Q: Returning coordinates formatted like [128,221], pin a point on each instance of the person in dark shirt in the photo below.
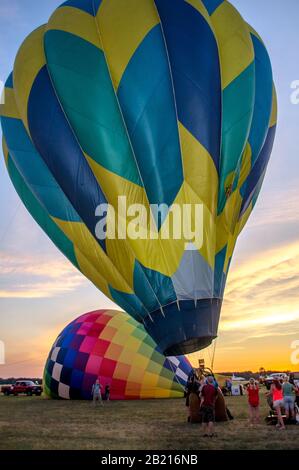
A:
[192,398]
[208,398]
[107,393]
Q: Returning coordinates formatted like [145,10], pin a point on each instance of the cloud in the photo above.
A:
[35,277]
[271,334]
[278,207]
[263,320]
[230,348]
[262,296]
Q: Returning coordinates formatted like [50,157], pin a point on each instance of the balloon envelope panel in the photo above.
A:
[162,102]
[113,347]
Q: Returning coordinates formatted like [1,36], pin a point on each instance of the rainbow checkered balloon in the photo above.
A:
[112,346]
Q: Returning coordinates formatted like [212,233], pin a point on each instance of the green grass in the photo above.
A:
[38,423]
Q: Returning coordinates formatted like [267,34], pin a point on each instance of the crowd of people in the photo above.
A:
[203,392]
[201,395]
[284,398]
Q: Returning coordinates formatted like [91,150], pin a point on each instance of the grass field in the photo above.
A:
[38,423]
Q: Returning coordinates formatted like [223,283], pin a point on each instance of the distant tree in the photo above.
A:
[12,380]
[262,371]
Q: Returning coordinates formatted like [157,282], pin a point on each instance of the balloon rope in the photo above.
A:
[214,352]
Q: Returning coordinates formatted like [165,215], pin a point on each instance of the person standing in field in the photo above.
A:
[192,400]
[253,402]
[297,394]
[289,397]
[228,384]
[97,393]
[201,381]
[107,392]
[277,396]
[296,385]
[208,398]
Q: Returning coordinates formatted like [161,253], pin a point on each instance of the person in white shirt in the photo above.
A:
[97,393]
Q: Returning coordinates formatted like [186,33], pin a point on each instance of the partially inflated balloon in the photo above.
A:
[112,347]
[162,102]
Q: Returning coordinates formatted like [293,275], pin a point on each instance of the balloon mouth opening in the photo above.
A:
[190,346]
[184,327]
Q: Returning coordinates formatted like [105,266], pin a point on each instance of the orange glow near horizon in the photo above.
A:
[259,320]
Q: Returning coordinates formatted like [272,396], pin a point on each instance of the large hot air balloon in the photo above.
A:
[164,103]
[112,346]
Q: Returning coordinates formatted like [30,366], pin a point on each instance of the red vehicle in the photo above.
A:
[26,387]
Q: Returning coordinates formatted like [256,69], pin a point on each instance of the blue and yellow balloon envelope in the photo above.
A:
[161,102]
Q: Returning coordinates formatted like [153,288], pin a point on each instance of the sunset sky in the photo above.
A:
[40,292]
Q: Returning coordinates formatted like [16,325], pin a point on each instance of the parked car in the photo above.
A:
[295,378]
[268,381]
[26,387]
